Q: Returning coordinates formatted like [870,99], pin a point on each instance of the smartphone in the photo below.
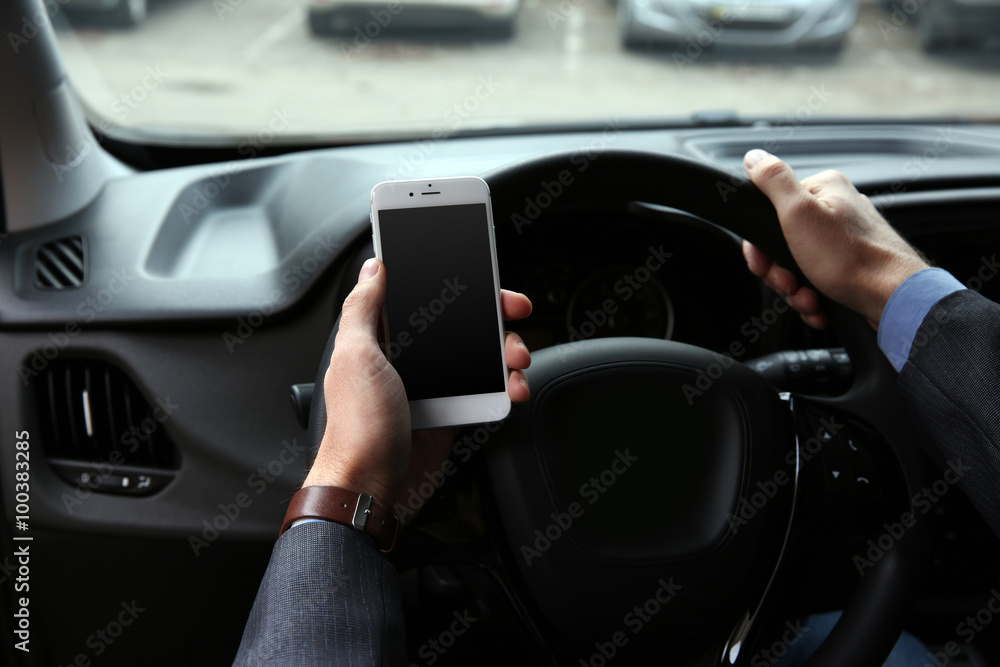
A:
[442,321]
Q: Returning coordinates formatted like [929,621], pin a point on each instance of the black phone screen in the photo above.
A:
[441,312]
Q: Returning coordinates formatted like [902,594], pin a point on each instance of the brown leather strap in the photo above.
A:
[357,510]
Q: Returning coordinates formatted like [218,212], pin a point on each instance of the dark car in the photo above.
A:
[364,19]
[119,13]
[943,24]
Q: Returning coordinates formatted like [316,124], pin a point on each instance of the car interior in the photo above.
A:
[697,470]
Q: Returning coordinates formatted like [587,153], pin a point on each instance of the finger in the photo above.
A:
[517,387]
[516,352]
[757,261]
[815,320]
[830,181]
[781,280]
[514,305]
[775,179]
[805,301]
[363,306]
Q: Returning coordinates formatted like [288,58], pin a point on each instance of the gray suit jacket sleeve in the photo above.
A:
[328,597]
[951,386]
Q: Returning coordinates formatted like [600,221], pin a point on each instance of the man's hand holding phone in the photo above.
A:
[368,445]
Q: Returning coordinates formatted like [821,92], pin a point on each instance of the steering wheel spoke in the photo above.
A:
[847,469]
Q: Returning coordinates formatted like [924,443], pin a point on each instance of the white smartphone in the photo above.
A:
[443,324]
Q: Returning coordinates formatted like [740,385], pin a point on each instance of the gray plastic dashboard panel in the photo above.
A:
[216,241]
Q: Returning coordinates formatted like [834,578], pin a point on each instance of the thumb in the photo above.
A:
[776,180]
[363,306]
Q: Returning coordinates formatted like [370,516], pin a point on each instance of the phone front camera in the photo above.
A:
[411,194]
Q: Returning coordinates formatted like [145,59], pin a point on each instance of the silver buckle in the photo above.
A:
[362,511]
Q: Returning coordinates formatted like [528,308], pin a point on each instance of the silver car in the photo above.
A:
[699,24]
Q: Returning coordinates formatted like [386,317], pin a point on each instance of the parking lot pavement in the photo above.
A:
[242,66]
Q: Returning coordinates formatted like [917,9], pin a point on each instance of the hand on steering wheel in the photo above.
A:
[842,243]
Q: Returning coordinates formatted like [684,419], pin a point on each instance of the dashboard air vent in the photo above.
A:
[61,264]
[100,431]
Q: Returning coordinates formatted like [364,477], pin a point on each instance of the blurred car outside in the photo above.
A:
[802,24]
[114,13]
[944,24]
[367,19]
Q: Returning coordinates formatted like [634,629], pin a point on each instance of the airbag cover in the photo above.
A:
[621,477]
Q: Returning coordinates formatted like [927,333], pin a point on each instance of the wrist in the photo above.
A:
[357,474]
[885,281]
[358,484]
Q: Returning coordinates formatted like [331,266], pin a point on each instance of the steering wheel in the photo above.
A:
[648,491]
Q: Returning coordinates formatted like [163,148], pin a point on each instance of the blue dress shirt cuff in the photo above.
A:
[907,308]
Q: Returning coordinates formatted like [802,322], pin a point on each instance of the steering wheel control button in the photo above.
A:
[863,470]
[837,470]
[848,468]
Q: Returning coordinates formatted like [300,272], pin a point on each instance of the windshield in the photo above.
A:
[268,70]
